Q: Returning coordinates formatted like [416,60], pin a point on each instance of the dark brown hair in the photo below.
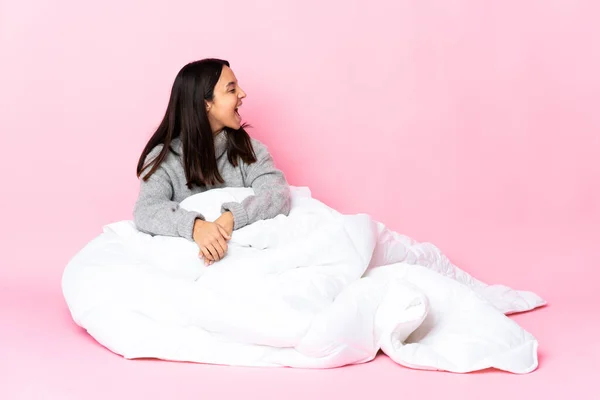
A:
[187,119]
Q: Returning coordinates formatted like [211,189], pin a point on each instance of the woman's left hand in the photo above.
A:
[226,222]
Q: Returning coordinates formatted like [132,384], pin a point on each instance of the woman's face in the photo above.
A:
[223,109]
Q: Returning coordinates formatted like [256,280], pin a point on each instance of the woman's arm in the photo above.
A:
[155,213]
[272,194]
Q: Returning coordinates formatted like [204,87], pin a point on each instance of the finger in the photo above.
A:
[217,245]
[223,232]
[207,256]
[213,251]
[221,247]
[207,260]
[206,253]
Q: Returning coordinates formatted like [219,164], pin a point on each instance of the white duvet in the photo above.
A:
[315,289]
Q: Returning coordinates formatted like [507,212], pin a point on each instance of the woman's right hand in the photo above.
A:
[212,239]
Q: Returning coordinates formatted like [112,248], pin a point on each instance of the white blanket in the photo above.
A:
[315,289]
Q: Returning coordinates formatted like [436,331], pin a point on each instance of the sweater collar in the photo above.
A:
[220,143]
[220,140]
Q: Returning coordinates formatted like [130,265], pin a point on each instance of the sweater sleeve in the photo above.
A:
[156,213]
[272,194]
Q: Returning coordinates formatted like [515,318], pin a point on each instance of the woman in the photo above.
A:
[200,145]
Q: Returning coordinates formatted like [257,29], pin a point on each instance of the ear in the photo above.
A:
[207,104]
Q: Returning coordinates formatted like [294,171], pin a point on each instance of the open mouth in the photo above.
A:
[237,112]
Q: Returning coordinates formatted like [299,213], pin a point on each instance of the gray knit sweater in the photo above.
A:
[157,209]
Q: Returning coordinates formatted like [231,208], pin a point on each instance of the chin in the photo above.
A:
[234,125]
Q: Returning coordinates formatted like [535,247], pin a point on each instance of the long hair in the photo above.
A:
[186,118]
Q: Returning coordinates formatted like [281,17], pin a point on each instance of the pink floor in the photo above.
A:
[50,358]
[45,356]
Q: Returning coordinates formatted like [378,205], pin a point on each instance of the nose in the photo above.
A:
[242,94]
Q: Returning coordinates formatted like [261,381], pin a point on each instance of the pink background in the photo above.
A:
[473,125]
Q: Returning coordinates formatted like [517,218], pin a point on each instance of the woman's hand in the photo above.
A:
[211,238]
[226,221]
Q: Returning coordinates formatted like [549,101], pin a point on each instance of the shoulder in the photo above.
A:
[154,153]
[175,145]
[171,161]
[260,149]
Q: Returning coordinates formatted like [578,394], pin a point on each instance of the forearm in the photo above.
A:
[268,202]
[164,218]
[156,213]
[272,195]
